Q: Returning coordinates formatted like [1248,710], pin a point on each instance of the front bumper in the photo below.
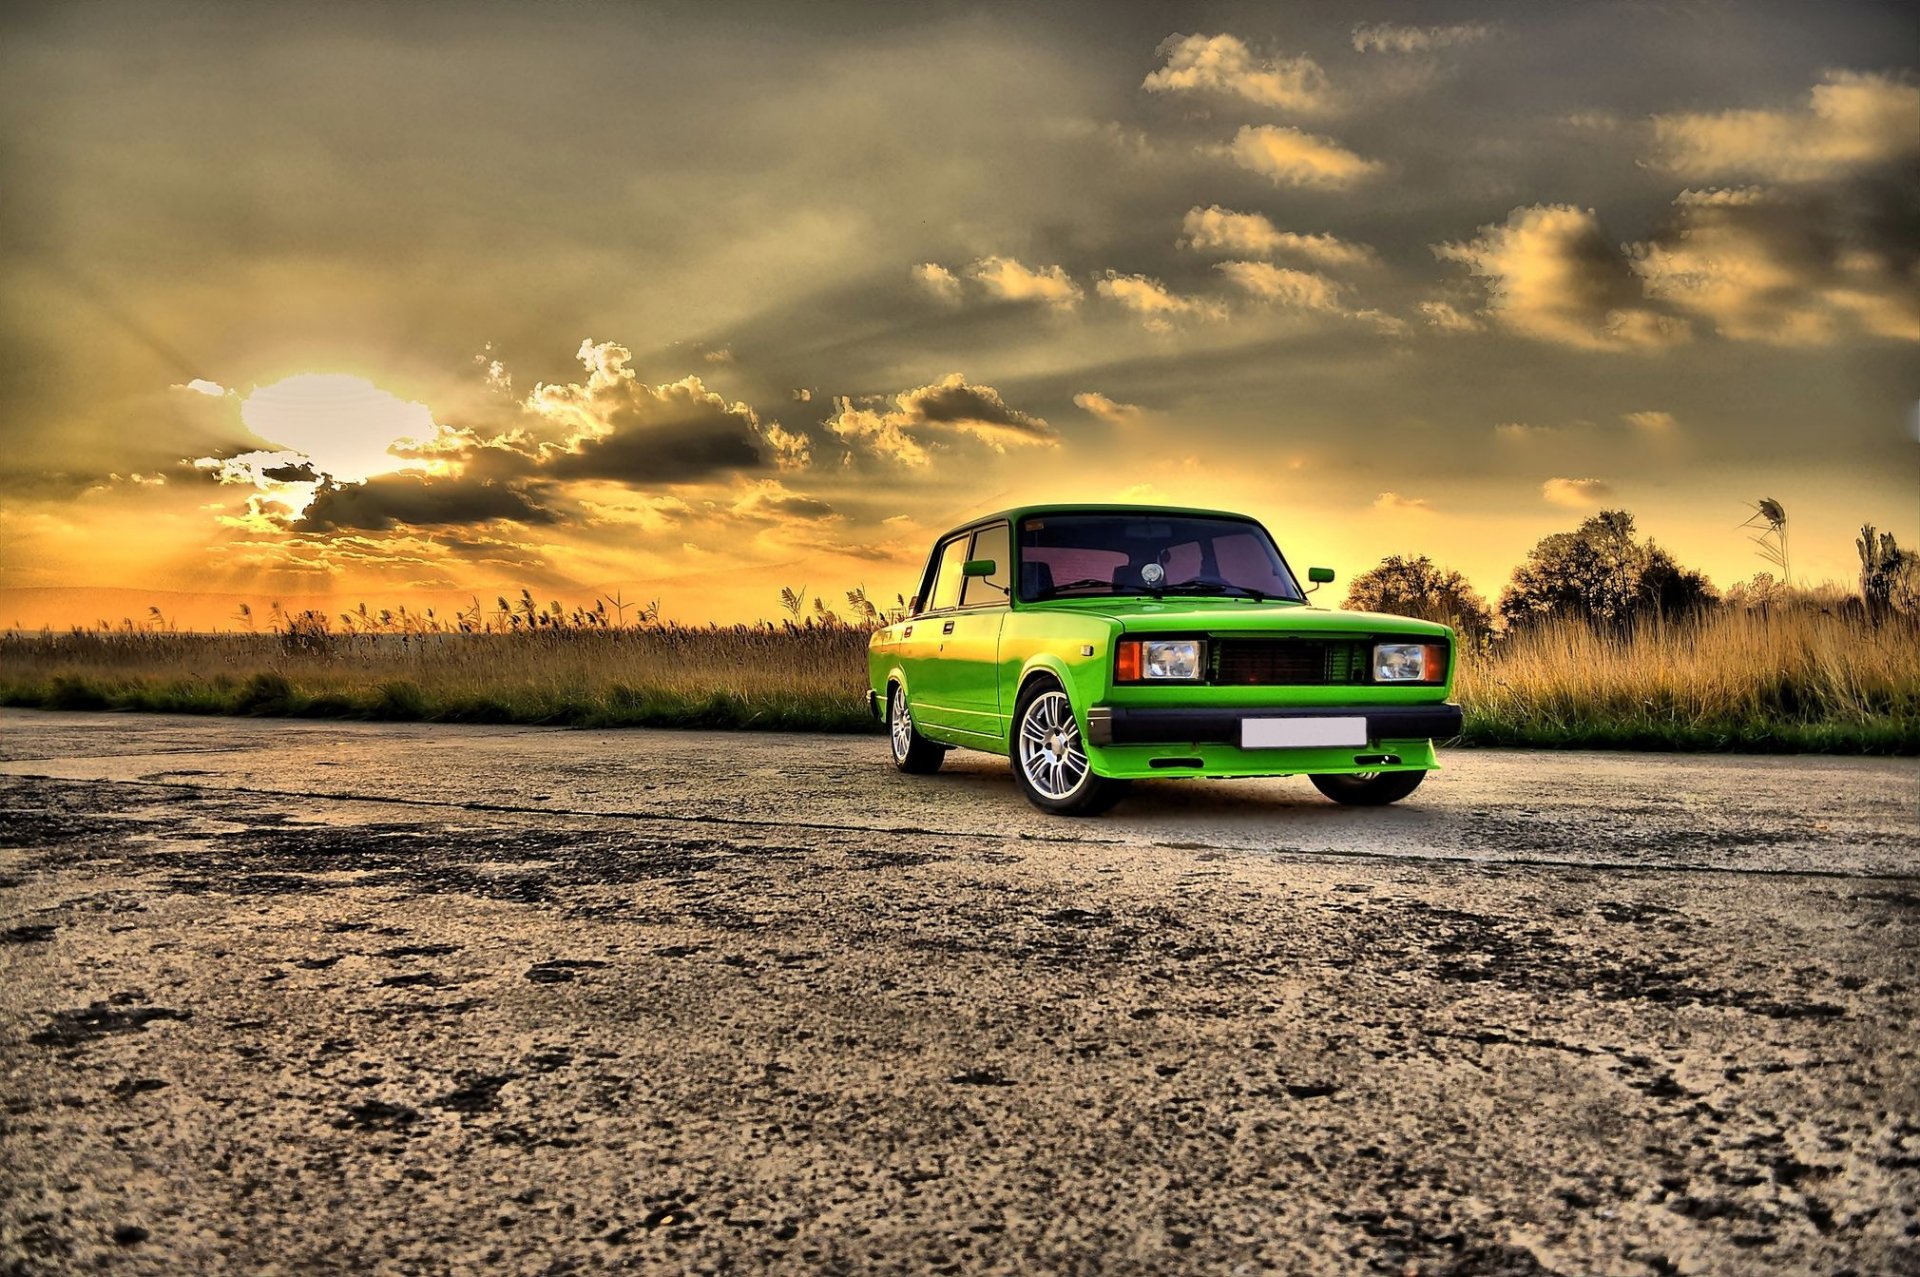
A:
[1138,725]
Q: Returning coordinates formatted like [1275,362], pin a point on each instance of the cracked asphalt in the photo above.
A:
[282,997]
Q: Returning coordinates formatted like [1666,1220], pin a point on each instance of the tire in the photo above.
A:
[1368,789]
[911,751]
[1049,759]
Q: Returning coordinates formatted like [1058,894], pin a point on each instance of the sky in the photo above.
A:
[691,302]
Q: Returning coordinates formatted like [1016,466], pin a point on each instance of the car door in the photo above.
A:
[971,647]
[922,658]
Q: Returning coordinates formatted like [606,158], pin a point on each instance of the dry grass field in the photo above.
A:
[1733,679]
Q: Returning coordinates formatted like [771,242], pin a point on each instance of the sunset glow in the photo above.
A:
[559,325]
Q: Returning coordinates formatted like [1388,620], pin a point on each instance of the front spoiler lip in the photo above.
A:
[1136,725]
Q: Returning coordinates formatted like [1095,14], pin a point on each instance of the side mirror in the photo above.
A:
[913,606]
[979,567]
[1320,576]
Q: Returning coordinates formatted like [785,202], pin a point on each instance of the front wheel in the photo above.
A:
[1050,759]
[912,752]
[1368,789]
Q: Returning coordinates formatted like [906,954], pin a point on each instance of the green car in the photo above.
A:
[1096,644]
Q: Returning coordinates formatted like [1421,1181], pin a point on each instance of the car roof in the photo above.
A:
[1016,513]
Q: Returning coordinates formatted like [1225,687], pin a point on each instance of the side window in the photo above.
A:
[946,577]
[990,543]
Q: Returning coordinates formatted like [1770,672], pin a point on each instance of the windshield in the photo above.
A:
[1087,555]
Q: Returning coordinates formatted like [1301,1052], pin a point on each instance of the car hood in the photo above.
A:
[1221,615]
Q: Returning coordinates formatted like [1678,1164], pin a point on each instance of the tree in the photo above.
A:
[1761,592]
[1602,573]
[1419,587]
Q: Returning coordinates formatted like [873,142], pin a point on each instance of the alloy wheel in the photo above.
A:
[900,725]
[1052,757]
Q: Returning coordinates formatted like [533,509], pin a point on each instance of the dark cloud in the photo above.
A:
[294,472]
[416,499]
[620,428]
[953,402]
[685,451]
[951,405]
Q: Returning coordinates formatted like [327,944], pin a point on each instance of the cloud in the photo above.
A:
[938,281]
[1224,64]
[1302,290]
[791,449]
[290,472]
[1851,121]
[1216,229]
[1798,267]
[493,372]
[1576,493]
[1296,289]
[1288,157]
[619,428]
[1658,422]
[1448,318]
[1111,411]
[1001,279]
[416,499]
[1393,502]
[908,432]
[201,386]
[1552,275]
[1009,280]
[1382,37]
[694,435]
[1149,299]
[770,501]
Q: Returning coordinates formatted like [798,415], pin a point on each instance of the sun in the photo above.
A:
[344,425]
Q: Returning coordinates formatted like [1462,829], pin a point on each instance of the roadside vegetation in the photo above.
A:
[1599,641]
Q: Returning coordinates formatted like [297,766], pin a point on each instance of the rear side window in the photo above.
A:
[990,543]
[947,577]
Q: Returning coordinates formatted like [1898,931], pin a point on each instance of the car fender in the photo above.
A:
[894,674]
[1050,663]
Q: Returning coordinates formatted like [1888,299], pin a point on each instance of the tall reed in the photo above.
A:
[1800,678]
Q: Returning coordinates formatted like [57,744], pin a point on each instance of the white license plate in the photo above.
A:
[1301,733]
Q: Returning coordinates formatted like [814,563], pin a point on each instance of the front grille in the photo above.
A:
[1287,662]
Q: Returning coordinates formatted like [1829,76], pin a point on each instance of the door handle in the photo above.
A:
[908,633]
[947,628]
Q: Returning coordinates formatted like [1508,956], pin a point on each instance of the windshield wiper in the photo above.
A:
[1081,584]
[1205,585]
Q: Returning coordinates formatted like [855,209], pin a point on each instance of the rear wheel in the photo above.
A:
[912,752]
[1050,759]
[1368,789]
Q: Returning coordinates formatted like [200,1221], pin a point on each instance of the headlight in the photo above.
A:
[1409,663]
[1176,659]
[1159,660]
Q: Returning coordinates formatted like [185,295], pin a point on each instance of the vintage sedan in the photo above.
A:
[1097,644]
